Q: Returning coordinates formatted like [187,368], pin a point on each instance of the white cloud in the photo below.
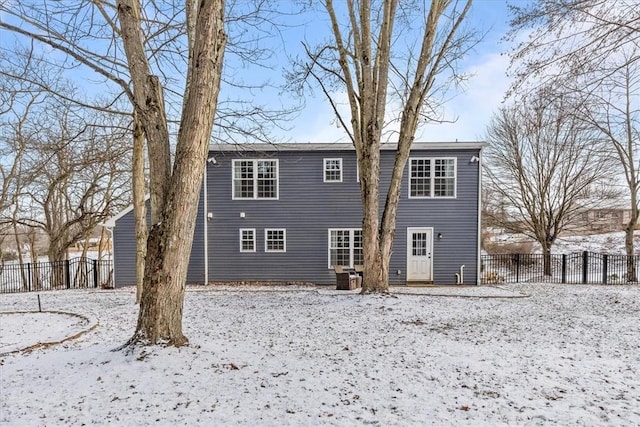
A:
[472,108]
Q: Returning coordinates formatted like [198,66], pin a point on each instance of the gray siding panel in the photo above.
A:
[124,250]
[124,254]
[307,207]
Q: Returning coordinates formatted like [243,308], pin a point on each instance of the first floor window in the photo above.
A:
[432,177]
[345,247]
[247,240]
[275,240]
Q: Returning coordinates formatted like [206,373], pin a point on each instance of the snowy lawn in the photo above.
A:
[567,355]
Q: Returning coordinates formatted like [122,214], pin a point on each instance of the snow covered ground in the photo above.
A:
[605,243]
[566,355]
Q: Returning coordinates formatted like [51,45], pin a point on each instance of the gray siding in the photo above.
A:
[124,253]
[124,250]
[307,208]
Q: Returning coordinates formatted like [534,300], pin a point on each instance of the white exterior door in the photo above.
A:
[419,251]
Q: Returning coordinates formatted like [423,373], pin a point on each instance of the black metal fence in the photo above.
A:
[70,274]
[582,267]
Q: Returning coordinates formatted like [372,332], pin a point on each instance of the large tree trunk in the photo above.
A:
[139,206]
[374,278]
[149,104]
[170,238]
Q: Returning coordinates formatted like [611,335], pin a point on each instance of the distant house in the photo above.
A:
[604,218]
[92,244]
[289,212]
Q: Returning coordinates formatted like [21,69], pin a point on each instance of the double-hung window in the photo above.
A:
[432,178]
[345,247]
[255,179]
[332,170]
[247,240]
[275,240]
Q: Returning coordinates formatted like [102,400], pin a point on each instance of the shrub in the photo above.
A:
[491,277]
[495,248]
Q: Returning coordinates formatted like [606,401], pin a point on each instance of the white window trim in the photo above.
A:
[432,178]
[255,179]
[351,244]
[253,230]
[284,238]
[324,169]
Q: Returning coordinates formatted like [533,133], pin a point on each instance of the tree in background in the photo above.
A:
[376,62]
[539,161]
[73,176]
[590,48]
[79,169]
[613,109]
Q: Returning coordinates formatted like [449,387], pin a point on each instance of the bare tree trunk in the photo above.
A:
[148,103]
[139,205]
[104,241]
[364,59]
[23,273]
[374,280]
[546,252]
[57,261]
[36,283]
[632,275]
[171,236]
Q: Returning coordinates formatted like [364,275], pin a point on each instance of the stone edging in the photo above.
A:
[32,347]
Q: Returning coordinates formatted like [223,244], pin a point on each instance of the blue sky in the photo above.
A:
[472,109]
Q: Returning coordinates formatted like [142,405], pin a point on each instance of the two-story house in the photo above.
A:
[290,212]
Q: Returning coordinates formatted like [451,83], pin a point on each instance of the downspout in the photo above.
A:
[206,218]
[112,258]
[206,226]
[479,236]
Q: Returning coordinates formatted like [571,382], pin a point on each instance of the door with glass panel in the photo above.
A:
[419,254]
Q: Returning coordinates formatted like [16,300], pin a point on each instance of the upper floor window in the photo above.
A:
[432,177]
[255,179]
[332,170]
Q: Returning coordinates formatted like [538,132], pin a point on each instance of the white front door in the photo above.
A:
[419,250]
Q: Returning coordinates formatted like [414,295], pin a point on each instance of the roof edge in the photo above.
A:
[341,146]
[111,221]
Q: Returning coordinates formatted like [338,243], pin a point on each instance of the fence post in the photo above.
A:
[564,268]
[585,267]
[67,271]
[29,275]
[605,266]
[517,268]
[95,273]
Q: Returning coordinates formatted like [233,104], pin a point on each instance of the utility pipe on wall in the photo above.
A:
[460,276]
